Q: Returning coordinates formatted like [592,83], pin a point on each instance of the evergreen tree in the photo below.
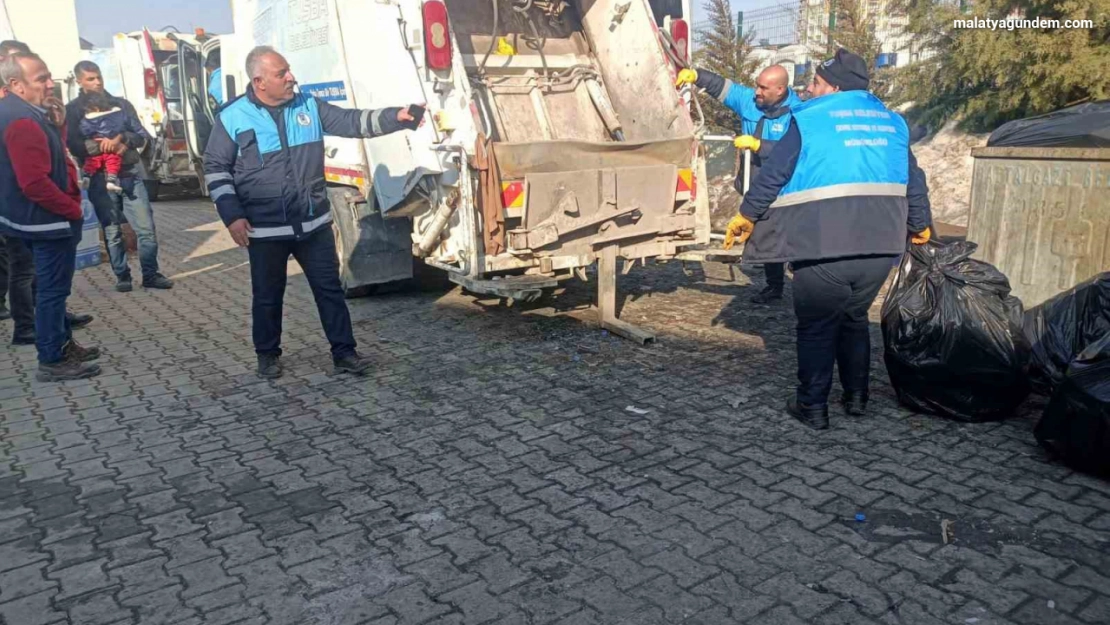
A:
[987,77]
[724,52]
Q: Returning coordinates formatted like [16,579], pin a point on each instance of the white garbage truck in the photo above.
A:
[554,137]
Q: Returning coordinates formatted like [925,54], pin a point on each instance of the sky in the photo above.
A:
[99,20]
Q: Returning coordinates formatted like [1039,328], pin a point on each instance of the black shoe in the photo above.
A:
[767,295]
[77,321]
[352,364]
[854,403]
[123,285]
[816,417]
[5,314]
[66,370]
[24,339]
[269,366]
[158,281]
[74,352]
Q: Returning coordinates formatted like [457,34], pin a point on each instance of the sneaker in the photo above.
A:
[767,295]
[26,338]
[269,366]
[74,352]
[816,417]
[66,370]
[123,285]
[354,363]
[5,314]
[158,281]
[78,320]
[854,403]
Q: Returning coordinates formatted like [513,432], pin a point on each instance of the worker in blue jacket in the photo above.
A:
[764,117]
[837,199]
[264,168]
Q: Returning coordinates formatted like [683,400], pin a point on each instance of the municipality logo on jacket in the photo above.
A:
[303,119]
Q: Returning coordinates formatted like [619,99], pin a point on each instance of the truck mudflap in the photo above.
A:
[372,250]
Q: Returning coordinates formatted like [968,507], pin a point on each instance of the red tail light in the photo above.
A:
[437,35]
[150,82]
[680,34]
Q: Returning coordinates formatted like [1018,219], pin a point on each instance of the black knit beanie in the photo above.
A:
[845,70]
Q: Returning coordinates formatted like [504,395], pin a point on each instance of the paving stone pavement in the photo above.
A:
[506,465]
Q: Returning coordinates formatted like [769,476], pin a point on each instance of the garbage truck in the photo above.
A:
[553,139]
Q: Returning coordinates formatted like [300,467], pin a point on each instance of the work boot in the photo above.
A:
[5,314]
[767,295]
[157,281]
[66,370]
[816,417]
[73,351]
[77,320]
[269,366]
[123,285]
[354,363]
[24,338]
[855,403]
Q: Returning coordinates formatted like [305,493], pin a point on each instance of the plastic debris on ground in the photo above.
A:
[953,336]
[635,410]
[1064,326]
[1075,426]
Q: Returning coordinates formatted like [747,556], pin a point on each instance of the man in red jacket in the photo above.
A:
[40,204]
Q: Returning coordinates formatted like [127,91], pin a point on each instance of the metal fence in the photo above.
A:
[801,28]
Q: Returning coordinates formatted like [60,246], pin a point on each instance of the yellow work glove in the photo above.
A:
[923,237]
[686,77]
[739,229]
[746,142]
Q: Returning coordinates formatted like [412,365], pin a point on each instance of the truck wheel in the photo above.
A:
[153,188]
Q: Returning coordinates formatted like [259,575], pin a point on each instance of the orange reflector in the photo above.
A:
[685,181]
[512,194]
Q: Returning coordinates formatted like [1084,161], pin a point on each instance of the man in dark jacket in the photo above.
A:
[133,203]
[836,198]
[264,167]
[40,205]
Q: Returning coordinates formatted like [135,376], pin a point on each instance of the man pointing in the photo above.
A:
[264,167]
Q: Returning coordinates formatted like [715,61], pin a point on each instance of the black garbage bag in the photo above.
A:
[1064,326]
[952,335]
[1076,424]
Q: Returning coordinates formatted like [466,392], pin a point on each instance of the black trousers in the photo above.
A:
[831,300]
[18,280]
[316,256]
[775,273]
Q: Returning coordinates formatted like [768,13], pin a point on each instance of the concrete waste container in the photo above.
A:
[1042,216]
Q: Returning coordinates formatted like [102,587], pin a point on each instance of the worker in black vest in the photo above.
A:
[40,206]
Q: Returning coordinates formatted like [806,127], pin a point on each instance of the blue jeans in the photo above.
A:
[316,256]
[55,262]
[134,206]
[831,300]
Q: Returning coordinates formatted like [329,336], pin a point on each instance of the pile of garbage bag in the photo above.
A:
[1064,326]
[954,344]
[1076,424]
[957,344]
